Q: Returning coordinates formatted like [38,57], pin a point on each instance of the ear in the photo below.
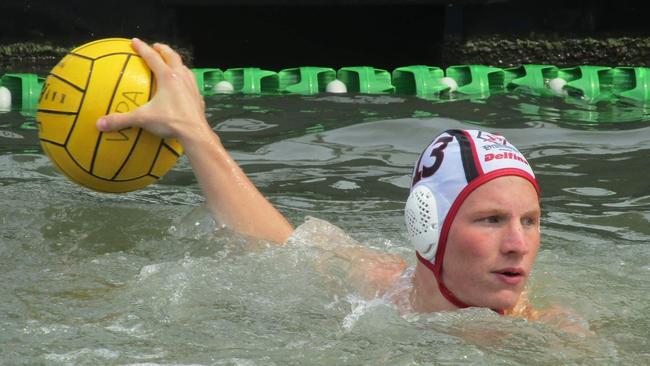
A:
[421,216]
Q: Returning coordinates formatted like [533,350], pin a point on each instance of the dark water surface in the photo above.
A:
[145,278]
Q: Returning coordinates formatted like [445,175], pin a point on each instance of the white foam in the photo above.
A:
[243,125]
[103,353]
[345,185]
[360,307]
[147,271]
[9,134]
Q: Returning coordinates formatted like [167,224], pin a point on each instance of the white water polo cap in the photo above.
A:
[449,169]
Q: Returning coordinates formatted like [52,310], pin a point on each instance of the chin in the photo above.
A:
[504,300]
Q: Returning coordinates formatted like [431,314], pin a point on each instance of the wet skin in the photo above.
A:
[493,242]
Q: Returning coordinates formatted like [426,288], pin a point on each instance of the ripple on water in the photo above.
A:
[589,191]
[147,278]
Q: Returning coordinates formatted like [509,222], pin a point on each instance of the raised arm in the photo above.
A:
[177,110]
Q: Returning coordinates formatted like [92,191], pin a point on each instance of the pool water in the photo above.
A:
[147,278]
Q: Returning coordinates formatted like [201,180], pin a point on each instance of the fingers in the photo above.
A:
[150,56]
[163,60]
[117,121]
[171,57]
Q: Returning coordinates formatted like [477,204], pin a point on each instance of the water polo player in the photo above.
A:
[472,214]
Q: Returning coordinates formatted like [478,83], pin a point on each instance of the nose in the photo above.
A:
[514,239]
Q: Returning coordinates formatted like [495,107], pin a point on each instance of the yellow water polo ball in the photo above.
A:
[93,80]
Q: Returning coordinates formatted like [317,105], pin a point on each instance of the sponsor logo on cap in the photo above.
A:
[504,155]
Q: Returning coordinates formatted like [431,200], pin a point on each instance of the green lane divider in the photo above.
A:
[24,88]
[207,80]
[632,83]
[420,80]
[252,80]
[366,79]
[477,79]
[306,79]
[592,84]
[534,77]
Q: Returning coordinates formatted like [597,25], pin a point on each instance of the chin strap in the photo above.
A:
[444,290]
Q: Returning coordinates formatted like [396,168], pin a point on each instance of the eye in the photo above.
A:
[530,221]
[492,219]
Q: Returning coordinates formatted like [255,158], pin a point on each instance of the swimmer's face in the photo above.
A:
[492,243]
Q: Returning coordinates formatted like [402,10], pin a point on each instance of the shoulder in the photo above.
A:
[369,271]
[554,315]
[320,233]
[376,272]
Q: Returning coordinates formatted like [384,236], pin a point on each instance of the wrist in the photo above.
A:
[195,136]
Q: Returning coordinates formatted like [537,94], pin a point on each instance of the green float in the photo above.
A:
[533,77]
[420,80]
[593,83]
[24,88]
[366,79]
[252,80]
[306,79]
[207,79]
[632,84]
[477,79]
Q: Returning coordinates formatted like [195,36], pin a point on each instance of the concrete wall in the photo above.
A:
[383,33]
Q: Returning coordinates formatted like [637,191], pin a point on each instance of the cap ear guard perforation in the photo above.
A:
[422,225]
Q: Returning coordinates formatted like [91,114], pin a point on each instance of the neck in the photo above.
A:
[426,296]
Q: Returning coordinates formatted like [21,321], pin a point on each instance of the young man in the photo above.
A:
[473,213]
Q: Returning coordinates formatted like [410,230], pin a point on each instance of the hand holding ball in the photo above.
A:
[99,78]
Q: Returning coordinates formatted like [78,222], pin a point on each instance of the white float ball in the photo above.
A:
[5,99]
[336,86]
[557,86]
[451,83]
[223,87]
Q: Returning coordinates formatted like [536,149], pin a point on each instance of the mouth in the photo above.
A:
[510,276]
[511,272]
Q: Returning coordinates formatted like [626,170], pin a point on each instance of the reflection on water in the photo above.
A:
[149,278]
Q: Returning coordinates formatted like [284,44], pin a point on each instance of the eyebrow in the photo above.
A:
[501,212]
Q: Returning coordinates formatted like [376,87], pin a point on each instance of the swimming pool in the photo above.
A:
[148,277]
